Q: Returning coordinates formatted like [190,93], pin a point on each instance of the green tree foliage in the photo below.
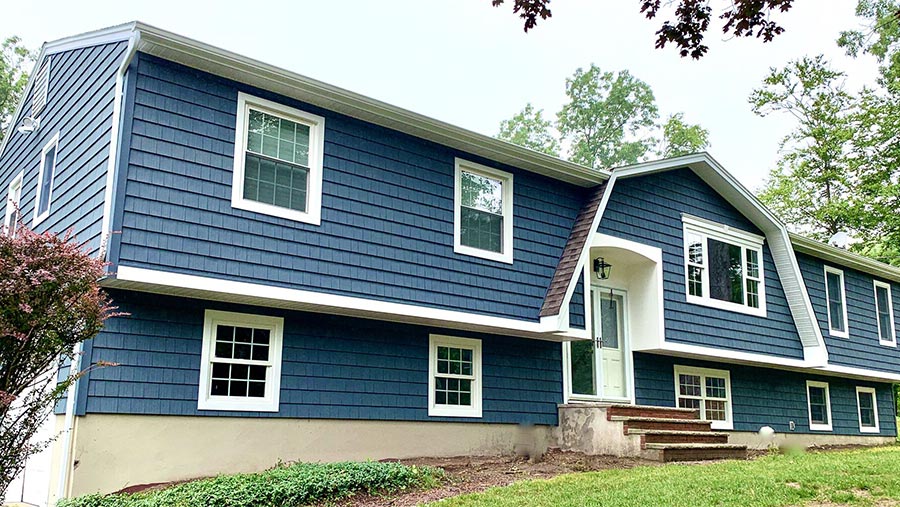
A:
[14,59]
[608,118]
[528,128]
[880,37]
[608,121]
[680,138]
[812,187]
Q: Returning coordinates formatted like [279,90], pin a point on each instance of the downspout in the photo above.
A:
[65,463]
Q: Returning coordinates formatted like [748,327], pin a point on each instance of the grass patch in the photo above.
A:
[859,477]
[287,485]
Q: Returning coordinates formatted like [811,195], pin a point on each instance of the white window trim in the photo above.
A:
[316,124]
[816,426]
[506,179]
[37,219]
[270,402]
[865,429]
[890,341]
[435,410]
[13,202]
[746,240]
[836,332]
[728,423]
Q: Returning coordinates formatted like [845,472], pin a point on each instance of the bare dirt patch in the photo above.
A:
[473,474]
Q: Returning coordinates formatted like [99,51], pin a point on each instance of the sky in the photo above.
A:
[469,64]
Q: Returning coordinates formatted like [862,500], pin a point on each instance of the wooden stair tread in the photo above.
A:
[642,431]
[628,418]
[696,446]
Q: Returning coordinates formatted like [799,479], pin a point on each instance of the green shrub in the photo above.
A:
[287,485]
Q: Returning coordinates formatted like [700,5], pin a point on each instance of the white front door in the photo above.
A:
[610,308]
[599,368]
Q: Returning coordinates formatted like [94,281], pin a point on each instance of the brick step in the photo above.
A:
[660,423]
[694,452]
[650,411]
[678,437]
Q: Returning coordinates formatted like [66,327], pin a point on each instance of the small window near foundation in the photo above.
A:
[241,362]
[454,377]
[868,409]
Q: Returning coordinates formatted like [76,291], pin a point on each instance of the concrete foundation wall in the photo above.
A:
[115,451]
[587,430]
[805,440]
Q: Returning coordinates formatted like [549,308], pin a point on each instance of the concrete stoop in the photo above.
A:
[655,433]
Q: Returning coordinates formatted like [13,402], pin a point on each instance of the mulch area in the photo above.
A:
[473,474]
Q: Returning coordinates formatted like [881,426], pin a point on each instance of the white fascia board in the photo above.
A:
[197,287]
[711,172]
[205,57]
[779,363]
[844,258]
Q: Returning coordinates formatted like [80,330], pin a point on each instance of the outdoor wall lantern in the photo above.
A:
[602,268]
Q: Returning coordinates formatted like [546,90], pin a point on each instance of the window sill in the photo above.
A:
[887,344]
[820,427]
[313,217]
[838,334]
[239,405]
[450,411]
[722,425]
[869,430]
[726,306]
[39,218]
[484,254]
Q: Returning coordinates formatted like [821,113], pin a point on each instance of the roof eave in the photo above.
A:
[246,70]
[844,258]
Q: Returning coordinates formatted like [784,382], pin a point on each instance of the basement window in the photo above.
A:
[241,362]
[454,376]
[868,410]
[705,390]
[819,401]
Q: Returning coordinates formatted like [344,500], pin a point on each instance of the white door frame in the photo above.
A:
[626,350]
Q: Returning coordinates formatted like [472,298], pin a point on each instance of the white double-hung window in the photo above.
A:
[705,390]
[240,365]
[483,212]
[278,160]
[836,298]
[884,311]
[723,266]
[454,376]
[13,200]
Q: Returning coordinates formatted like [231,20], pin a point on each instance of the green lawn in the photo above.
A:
[860,477]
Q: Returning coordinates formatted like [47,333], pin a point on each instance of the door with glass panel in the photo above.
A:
[599,367]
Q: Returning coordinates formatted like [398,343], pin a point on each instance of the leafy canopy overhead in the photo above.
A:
[688,21]
[14,59]
[528,128]
[609,120]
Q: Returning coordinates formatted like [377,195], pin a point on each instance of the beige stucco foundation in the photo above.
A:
[806,440]
[112,452]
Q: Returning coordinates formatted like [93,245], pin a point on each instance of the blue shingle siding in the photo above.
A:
[766,397]
[387,211]
[332,367]
[576,306]
[79,107]
[648,210]
[861,349]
